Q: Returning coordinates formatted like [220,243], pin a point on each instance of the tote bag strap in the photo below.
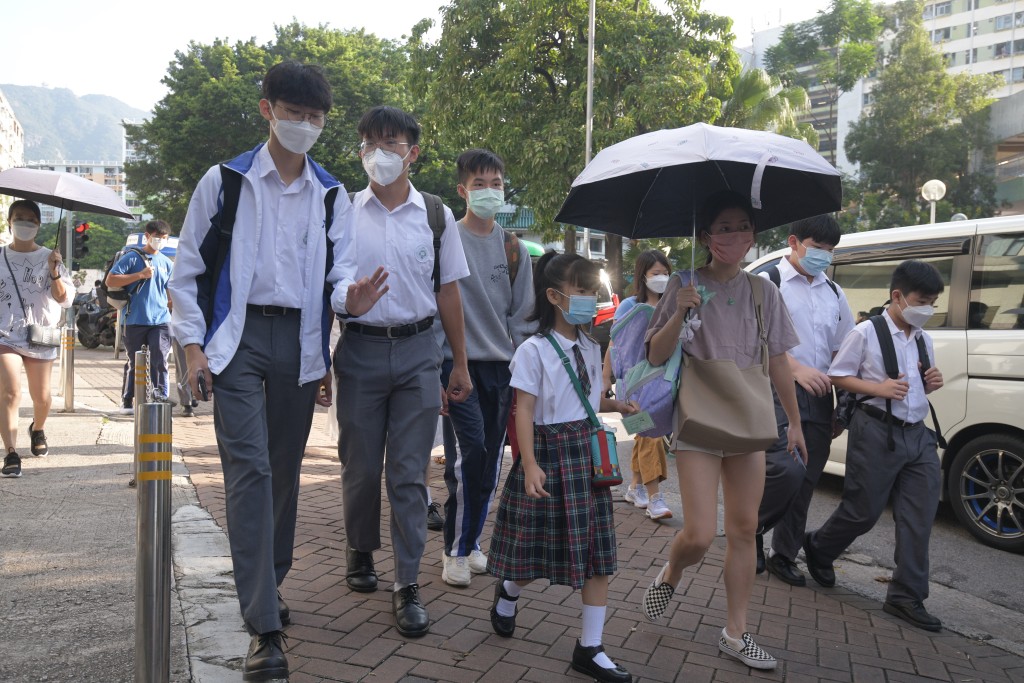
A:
[757,289]
[575,380]
[17,290]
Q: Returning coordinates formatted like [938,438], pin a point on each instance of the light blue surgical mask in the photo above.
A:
[815,260]
[486,202]
[582,309]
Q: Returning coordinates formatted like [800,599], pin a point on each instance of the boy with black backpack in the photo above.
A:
[891,453]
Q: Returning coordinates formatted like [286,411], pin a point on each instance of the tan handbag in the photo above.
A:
[724,407]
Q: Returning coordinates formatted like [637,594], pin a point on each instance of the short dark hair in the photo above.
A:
[644,262]
[823,229]
[556,271]
[158,227]
[305,85]
[384,121]
[914,276]
[719,202]
[25,204]
[475,160]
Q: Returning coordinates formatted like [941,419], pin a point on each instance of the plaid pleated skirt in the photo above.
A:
[566,538]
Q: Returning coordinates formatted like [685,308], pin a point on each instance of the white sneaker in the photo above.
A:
[477,562]
[656,508]
[637,495]
[456,570]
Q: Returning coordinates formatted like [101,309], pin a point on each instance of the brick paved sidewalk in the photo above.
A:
[339,635]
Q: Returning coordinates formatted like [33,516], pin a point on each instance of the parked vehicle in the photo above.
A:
[978,330]
[97,324]
[607,302]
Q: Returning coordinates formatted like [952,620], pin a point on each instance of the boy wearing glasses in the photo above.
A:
[388,362]
[250,311]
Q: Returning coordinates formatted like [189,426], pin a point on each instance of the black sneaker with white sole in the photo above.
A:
[12,465]
[39,447]
[750,654]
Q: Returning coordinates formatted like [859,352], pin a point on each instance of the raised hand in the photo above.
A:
[366,292]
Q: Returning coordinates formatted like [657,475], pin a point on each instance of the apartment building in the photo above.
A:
[980,37]
[12,149]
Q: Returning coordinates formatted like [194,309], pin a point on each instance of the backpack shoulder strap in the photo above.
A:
[329,198]
[922,356]
[511,254]
[224,224]
[774,275]
[435,218]
[892,366]
[832,286]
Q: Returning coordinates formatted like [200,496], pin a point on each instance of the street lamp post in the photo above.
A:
[933,191]
[590,106]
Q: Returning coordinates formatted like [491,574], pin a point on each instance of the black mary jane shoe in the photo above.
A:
[360,576]
[503,626]
[583,661]
[265,660]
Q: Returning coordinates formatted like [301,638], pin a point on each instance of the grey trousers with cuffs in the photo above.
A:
[262,417]
[389,397]
[908,477]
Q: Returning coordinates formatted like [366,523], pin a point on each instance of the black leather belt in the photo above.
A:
[393,332]
[879,414]
[269,309]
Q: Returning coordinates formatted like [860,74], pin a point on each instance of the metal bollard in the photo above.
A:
[68,368]
[153,551]
[141,373]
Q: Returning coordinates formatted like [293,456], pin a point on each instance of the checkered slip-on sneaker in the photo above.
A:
[657,596]
[751,654]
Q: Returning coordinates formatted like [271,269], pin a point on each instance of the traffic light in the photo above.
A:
[79,238]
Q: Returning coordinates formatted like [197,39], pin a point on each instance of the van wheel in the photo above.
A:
[986,489]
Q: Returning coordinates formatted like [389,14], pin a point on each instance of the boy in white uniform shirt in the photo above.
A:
[889,454]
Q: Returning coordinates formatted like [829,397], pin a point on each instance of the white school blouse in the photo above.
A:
[537,369]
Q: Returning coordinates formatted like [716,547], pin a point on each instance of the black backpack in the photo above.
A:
[847,402]
[217,244]
[118,297]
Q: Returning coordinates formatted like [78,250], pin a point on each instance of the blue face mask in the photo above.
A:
[816,260]
[582,309]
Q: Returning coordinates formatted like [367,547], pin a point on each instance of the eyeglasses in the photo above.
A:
[368,146]
[316,120]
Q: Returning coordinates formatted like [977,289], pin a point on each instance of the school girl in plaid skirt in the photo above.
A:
[551,522]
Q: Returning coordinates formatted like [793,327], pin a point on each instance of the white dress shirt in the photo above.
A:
[401,241]
[538,370]
[822,319]
[861,356]
[280,277]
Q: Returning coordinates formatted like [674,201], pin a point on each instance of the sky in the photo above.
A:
[122,48]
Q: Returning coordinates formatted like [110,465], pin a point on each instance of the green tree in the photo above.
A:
[759,101]
[925,123]
[211,112]
[512,77]
[832,51]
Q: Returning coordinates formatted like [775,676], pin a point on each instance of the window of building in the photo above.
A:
[973,28]
[1000,50]
[867,99]
[867,285]
[941,34]
[929,12]
[949,58]
[974,4]
[1018,46]
[1018,74]
[943,9]
[1004,22]
[997,284]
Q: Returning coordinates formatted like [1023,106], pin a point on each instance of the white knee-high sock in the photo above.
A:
[593,629]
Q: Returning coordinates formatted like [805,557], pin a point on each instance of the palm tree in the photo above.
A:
[760,102]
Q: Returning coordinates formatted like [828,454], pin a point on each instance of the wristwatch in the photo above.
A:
[55,277]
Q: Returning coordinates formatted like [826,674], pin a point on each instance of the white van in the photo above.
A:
[978,330]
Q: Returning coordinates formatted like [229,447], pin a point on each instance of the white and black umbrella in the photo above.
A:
[62,190]
[651,185]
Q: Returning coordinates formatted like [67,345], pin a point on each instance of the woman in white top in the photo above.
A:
[34,287]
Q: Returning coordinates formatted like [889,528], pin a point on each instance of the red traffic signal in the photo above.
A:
[79,238]
[82,227]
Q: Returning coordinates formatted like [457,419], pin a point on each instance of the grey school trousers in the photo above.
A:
[262,417]
[908,477]
[789,484]
[389,397]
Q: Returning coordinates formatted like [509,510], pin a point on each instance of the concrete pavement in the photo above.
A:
[67,586]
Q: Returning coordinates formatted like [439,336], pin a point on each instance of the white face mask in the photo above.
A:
[917,316]
[158,243]
[24,231]
[657,283]
[295,136]
[384,167]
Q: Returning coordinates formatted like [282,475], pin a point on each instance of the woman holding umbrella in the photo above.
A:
[34,287]
[728,330]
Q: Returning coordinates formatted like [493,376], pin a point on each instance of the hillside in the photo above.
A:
[60,126]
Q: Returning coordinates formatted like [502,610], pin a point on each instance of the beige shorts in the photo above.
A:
[679,444]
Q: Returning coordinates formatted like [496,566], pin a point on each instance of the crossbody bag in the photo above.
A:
[38,335]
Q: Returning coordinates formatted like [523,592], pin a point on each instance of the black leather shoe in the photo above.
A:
[503,626]
[583,661]
[913,613]
[265,660]
[435,520]
[785,569]
[283,611]
[820,571]
[410,614]
[759,546]
[361,576]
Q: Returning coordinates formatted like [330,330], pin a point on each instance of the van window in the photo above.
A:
[997,284]
[867,286]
